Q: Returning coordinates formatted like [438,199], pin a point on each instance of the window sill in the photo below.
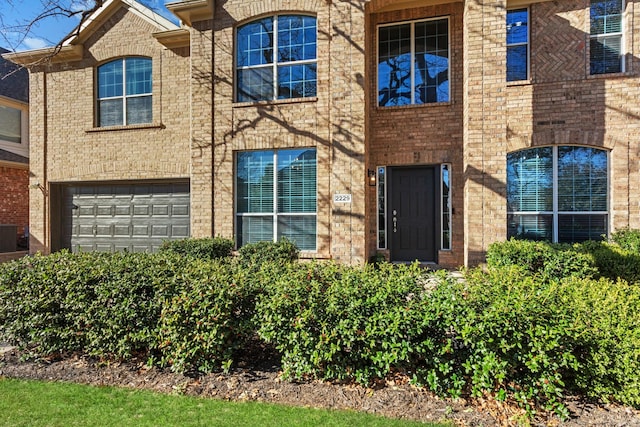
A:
[611,75]
[526,82]
[403,107]
[274,102]
[126,127]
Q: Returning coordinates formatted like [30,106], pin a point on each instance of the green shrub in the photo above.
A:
[208,319]
[613,261]
[628,239]
[550,261]
[204,248]
[335,322]
[281,252]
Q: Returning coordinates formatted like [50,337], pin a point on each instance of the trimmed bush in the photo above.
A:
[550,261]
[628,239]
[208,319]
[282,252]
[204,248]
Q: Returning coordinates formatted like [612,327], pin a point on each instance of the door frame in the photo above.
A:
[437,208]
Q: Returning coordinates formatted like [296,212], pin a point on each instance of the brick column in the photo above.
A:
[202,129]
[38,206]
[484,148]
[347,127]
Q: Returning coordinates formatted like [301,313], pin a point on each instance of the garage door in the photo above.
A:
[133,217]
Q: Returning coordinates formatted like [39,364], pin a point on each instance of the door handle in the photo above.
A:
[395,221]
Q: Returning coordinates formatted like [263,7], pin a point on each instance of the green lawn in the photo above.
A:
[37,403]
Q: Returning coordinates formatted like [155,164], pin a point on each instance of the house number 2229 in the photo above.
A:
[342,198]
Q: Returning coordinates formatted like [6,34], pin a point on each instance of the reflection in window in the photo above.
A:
[124,92]
[279,67]
[517,44]
[10,124]
[382,209]
[557,194]
[276,197]
[606,36]
[413,63]
[445,189]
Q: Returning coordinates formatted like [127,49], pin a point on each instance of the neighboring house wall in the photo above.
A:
[14,182]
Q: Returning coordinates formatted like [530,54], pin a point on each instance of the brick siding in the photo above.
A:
[14,197]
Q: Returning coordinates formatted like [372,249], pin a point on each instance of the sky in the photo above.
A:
[15,15]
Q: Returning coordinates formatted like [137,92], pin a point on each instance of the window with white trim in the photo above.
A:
[10,124]
[276,196]
[445,206]
[517,44]
[276,67]
[125,92]
[413,62]
[606,36]
[558,194]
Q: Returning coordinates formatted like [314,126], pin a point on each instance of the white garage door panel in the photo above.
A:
[133,217]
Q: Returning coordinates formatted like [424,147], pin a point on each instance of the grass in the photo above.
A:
[37,403]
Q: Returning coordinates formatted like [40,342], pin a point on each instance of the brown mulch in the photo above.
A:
[261,381]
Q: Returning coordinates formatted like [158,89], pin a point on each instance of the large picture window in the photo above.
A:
[606,36]
[558,194]
[413,63]
[517,44]
[124,92]
[10,124]
[279,67]
[276,196]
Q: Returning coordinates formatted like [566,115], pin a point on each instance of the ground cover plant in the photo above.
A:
[540,322]
[34,403]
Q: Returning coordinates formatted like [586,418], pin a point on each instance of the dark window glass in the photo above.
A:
[606,36]
[517,44]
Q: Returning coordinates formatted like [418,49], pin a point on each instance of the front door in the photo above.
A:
[412,214]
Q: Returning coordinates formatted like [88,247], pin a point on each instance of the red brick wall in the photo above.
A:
[14,197]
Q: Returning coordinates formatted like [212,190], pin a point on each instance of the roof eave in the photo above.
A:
[173,38]
[28,58]
[190,11]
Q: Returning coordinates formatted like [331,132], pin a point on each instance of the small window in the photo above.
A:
[10,124]
[606,36]
[445,193]
[280,67]
[557,194]
[517,44]
[382,208]
[276,196]
[413,63]
[124,92]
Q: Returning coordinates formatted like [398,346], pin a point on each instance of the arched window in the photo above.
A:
[558,194]
[276,58]
[124,92]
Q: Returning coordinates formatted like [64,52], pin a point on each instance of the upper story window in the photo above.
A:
[10,124]
[280,67]
[517,44]
[413,62]
[124,92]
[558,194]
[606,36]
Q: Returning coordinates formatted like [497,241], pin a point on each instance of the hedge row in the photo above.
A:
[508,331]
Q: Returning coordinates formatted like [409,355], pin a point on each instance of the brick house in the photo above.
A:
[14,152]
[419,129]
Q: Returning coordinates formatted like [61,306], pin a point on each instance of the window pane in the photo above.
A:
[432,62]
[517,63]
[606,55]
[110,79]
[530,227]
[297,81]
[530,180]
[297,181]
[10,124]
[254,182]
[382,213]
[296,38]
[139,110]
[446,207]
[517,26]
[138,75]
[578,228]
[251,229]
[255,84]
[582,179]
[301,230]
[394,65]
[606,16]
[110,112]
[255,43]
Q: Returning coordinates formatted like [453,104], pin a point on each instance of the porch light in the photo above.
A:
[372,177]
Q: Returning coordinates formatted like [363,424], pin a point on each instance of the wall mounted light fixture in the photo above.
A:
[371,174]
